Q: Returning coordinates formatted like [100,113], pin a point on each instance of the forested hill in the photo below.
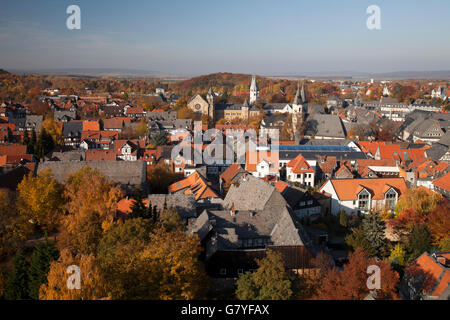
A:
[3,71]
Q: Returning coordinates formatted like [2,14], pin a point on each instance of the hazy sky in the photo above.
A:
[249,36]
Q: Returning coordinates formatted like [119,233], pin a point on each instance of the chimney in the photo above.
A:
[233,210]
[245,177]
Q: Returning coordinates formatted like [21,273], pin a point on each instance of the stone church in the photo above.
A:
[248,109]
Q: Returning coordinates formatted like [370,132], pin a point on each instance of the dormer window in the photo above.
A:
[391,198]
[363,200]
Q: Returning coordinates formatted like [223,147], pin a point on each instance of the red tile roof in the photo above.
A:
[100,155]
[300,165]
[91,126]
[443,182]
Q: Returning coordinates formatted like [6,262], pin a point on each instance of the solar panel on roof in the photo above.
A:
[309,148]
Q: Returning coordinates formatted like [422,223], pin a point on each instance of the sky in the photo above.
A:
[246,36]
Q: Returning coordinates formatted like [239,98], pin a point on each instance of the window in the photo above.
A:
[363,200]
[240,271]
[391,197]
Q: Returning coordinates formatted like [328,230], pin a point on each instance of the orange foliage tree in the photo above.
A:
[351,282]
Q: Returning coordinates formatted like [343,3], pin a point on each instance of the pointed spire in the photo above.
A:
[297,95]
[253,86]
[303,92]
[210,91]
[245,103]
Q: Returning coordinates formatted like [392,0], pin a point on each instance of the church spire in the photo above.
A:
[303,92]
[297,95]
[253,90]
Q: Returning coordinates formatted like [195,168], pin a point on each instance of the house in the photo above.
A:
[255,218]
[91,126]
[97,139]
[299,170]
[442,185]
[100,155]
[440,151]
[128,150]
[363,195]
[345,171]
[134,112]
[427,278]
[72,133]
[272,125]
[324,126]
[33,122]
[233,173]
[300,200]
[64,115]
[326,166]
[262,164]
[115,124]
[372,168]
[199,186]
[184,204]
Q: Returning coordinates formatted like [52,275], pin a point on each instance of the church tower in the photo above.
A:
[210,98]
[299,105]
[253,91]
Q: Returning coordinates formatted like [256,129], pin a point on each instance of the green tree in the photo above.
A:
[373,228]
[43,254]
[16,287]
[44,145]
[357,240]
[269,282]
[419,241]
[138,208]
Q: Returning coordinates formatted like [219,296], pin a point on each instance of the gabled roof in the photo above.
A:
[231,172]
[443,182]
[252,159]
[300,165]
[348,189]
[194,184]
[440,274]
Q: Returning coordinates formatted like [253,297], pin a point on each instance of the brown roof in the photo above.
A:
[100,155]
[231,172]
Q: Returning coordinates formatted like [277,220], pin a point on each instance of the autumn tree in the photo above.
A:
[43,254]
[170,219]
[158,139]
[419,200]
[351,282]
[357,240]
[186,113]
[14,227]
[54,130]
[142,128]
[92,283]
[269,282]
[92,204]
[40,200]
[439,223]
[160,177]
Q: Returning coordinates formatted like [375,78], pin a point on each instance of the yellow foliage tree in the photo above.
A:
[61,282]
[176,273]
[420,200]
[54,130]
[92,204]
[40,200]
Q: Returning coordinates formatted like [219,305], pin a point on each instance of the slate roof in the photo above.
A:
[324,125]
[183,203]
[72,129]
[252,194]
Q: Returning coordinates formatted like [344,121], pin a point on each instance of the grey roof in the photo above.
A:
[252,194]
[74,155]
[445,140]
[18,122]
[183,203]
[34,122]
[123,172]
[327,142]
[437,151]
[64,114]
[72,128]
[324,125]
[273,120]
